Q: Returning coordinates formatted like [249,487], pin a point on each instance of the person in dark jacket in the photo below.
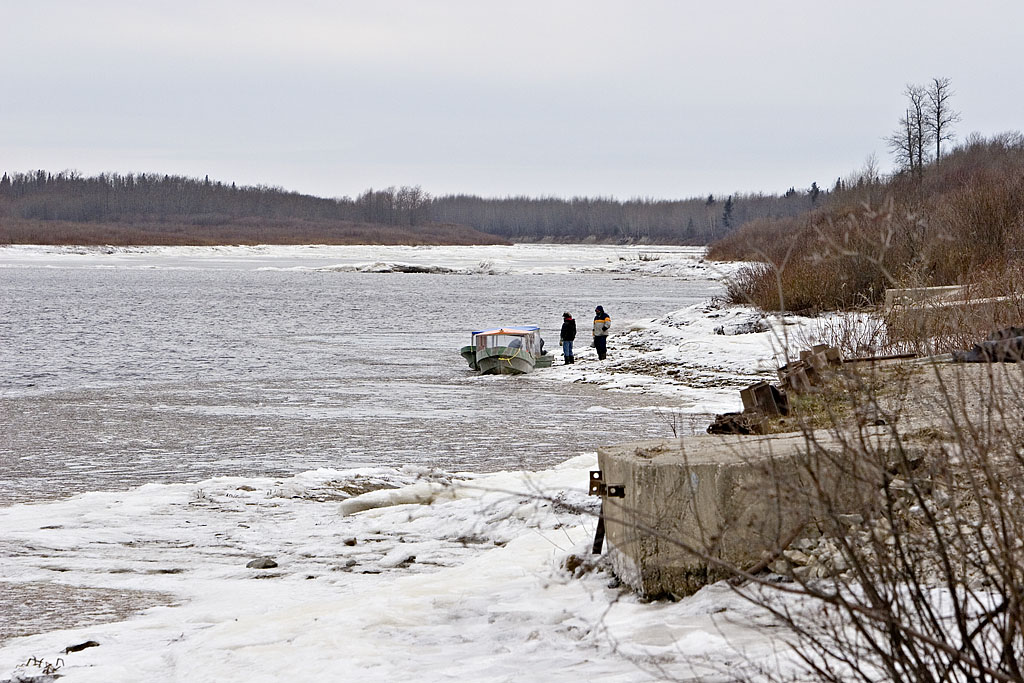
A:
[602,323]
[566,337]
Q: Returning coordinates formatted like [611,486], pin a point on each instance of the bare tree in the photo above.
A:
[411,204]
[917,97]
[912,139]
[901,143]
[940,116]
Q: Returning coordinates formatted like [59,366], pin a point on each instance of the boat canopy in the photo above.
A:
[525,337]
[521,331]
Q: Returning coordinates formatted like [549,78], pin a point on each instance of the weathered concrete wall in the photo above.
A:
[939,317]
[734,498]
[913,295]
[737,497]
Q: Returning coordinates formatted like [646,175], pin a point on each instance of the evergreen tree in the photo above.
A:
[691,229]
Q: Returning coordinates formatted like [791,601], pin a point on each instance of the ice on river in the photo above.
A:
[677,262]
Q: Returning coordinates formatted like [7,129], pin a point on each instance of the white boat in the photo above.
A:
[506,351]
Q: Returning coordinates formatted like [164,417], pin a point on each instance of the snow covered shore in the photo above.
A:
[699,357]
[469,582]
[382,573]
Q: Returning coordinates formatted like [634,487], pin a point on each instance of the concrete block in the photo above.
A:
[763,398]
[797,376]
[912,295]
[814,359]
[919,322]
[732,498]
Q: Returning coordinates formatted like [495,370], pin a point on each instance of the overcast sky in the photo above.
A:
[583,97]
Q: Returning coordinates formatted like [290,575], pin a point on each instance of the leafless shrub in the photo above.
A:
[855,334]
[832,265]
[917,572]
[911,565]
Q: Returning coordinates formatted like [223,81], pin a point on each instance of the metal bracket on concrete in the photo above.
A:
[599,488]
[599,532]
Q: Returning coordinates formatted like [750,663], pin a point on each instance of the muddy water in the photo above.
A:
[111,378]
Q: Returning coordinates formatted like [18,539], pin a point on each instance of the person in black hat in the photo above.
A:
[566,337]
[602,323]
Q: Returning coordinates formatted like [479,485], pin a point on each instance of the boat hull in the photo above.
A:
[469,353]
[502,360]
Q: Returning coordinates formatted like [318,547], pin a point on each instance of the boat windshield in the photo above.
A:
[529,342]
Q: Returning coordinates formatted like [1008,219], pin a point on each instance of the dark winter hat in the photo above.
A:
[566,315]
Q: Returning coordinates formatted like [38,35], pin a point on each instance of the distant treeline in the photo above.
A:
[143,209]
[685,221]
[69,198]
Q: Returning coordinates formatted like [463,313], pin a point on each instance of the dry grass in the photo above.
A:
[842,398]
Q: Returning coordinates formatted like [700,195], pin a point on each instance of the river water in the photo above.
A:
[172,366]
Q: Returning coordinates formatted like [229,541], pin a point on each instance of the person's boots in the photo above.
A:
[569,360]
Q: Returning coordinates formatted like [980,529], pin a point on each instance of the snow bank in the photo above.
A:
[469,585]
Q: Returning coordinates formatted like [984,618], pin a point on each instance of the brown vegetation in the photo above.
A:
[959,223]
[233,231]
